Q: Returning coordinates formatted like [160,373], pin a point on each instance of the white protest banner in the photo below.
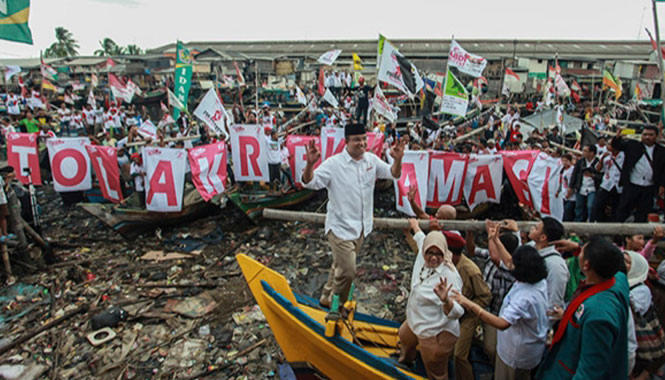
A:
[164,178]
[22,154]
[329,57]
[250,153]
[396,70]
[10,71]
[518,165]
[148,129]
[446,178]
[332,142]
[211,111]
[465,62]
[381,105]
[415,169]
[297,146]
[455,97]
[330,98]
[484,174]
[104,161]
[546,187]
[208,163]
[70,163]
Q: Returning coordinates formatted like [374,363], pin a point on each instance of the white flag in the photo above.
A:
[396,70]
[212,112]
[330,98]
[10,71]
[148,129]
[329,57]
[545,188]
[174,101]
[91,99]
[302,99]
[134,88]
[465,62]
[70,163]
[381,105]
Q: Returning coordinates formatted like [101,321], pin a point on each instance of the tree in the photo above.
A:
[108,47]
[133,50]
[64,46]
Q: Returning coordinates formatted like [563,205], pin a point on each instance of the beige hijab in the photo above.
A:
[437,239]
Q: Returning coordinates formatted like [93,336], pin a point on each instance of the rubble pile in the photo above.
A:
[173,303]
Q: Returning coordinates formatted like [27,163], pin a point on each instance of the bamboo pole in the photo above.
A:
[471,225]
[297,127]
[470,134]
[170,139]
[571,150]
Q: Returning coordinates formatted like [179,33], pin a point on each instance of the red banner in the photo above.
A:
[297,146]
[104,161]
[482,182]
[22,154]
[375,143]
[332,142]
[208,163]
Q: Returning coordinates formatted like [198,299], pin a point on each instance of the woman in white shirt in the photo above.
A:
[522,321]
[432,318]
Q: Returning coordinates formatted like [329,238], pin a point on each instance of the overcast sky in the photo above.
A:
[151,23]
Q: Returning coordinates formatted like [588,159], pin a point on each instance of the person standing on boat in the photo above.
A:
[432,316]
[349,178]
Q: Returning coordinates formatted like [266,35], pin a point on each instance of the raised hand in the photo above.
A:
[397,150]
[313,153]
[442,289]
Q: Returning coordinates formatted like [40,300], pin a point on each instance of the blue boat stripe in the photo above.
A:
[312,302]
[352,349]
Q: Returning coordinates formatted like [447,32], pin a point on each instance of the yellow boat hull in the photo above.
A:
[298,326]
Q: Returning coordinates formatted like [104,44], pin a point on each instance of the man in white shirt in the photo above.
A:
[543,235]
[642,176]
[349,178]
[274,158]
[609,190]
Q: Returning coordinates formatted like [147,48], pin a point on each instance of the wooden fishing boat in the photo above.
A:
[252,202]
[130,221]
[361,347]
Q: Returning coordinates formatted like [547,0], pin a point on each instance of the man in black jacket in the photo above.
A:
[643,173]
[583,184]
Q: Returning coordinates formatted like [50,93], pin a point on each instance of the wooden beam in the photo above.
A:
[471,225]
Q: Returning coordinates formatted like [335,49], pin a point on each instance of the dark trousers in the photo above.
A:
[603,199]
[638,198]
[274,170]
[361,113]
[568,211]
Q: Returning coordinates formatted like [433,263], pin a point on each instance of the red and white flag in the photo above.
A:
[250,153]
[70,163]
[22,154]
[148,129]
[484,174]
[545,185]
[241,79]
[329,57]
[375,143]
[104,161]
[164,178]
[446,178]
[119,89]
[332,142]
[518,165]
[415,169]
[297,146]
[208,163]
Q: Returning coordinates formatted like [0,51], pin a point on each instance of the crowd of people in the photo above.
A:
[550,307]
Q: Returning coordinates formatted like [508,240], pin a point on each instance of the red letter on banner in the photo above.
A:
[165,186]
[253,158]
[81,167]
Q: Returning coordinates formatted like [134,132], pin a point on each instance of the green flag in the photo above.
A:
[455,98]
[14,15]
[183,76]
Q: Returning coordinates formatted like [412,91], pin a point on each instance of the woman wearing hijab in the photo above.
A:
[522,321]
[432,317]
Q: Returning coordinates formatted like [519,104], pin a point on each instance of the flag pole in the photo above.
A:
[660,60]
[256,85]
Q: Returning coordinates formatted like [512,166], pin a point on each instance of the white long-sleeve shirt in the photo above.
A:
[350,184]
[424,311]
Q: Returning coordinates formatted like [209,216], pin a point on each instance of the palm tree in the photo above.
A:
[108,47]
[133,50]
[64,46]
